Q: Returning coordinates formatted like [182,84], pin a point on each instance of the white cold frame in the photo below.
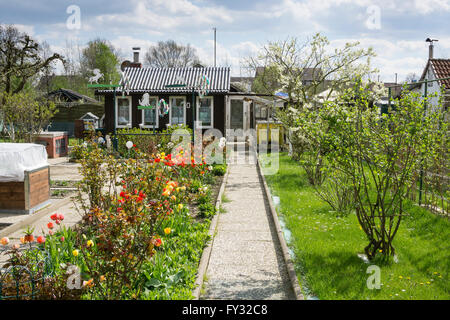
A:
[121,111]
[177,102]
[210,122]
[154,103]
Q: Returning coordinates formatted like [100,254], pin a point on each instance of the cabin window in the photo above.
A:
[177,110]
[123,112]
[150,116]
[260,112]
[205,112]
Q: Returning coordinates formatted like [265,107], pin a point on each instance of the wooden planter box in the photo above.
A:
[28,195]
[55,142]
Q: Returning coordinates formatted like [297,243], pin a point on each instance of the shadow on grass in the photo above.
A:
[342,271]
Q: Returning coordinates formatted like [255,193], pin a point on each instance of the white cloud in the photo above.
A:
[28,29]
[429,6]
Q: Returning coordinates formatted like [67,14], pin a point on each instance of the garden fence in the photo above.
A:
[431,185]
[19,280]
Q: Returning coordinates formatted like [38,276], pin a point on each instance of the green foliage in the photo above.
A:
[99,54]
[318,238]
[368,161]
[207,209]
[147,142]
[172,273]
[219,169]
[137,239]
[24,115]
[266,82]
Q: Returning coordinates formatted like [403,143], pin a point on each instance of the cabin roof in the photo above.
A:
[156,80]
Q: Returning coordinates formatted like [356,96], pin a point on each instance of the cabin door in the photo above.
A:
[237,114]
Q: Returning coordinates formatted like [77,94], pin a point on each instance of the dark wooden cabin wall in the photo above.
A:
[219,112]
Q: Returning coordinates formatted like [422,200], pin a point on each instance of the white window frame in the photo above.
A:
[170,109]
[130,124]
[198,112]
[156,115]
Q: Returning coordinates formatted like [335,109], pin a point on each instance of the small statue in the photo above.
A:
[145,100]
[96,77]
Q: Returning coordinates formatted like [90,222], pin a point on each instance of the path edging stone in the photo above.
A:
[284,248]
[204,260]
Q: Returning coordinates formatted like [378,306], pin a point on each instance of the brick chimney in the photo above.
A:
[136,54]
[135,63]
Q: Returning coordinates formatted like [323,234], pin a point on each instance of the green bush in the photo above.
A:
[207,209]
[146,141]
[219,169]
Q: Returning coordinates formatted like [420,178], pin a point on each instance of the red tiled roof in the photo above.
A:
[441,68]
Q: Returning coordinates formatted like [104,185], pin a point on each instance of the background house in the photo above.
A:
[436,69]
[71,106]
[173,95]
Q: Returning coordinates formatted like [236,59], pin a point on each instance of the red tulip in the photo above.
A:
[40,239]
[50,225]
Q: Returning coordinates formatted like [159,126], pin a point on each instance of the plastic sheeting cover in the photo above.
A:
[16,158]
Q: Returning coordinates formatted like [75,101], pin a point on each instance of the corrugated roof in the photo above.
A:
[156,79]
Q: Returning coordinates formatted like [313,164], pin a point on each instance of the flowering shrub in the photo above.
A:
[137,237]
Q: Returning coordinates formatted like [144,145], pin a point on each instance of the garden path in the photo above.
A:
[246,260]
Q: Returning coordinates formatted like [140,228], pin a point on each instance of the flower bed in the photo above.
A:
[145,224]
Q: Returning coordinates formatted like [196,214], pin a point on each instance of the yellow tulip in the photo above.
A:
[167,230]
[90,243]
[75,253]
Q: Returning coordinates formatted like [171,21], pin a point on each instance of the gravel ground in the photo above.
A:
[246,262]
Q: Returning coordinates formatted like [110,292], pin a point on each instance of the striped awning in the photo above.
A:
[179,80]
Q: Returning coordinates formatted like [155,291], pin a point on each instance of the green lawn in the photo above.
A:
[326,247]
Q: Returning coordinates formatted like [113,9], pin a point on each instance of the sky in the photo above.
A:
[396,29]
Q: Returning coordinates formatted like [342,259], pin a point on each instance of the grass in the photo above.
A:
[326,247]
[59,193]
[225,199]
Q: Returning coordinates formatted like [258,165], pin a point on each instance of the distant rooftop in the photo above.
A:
[67,95]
